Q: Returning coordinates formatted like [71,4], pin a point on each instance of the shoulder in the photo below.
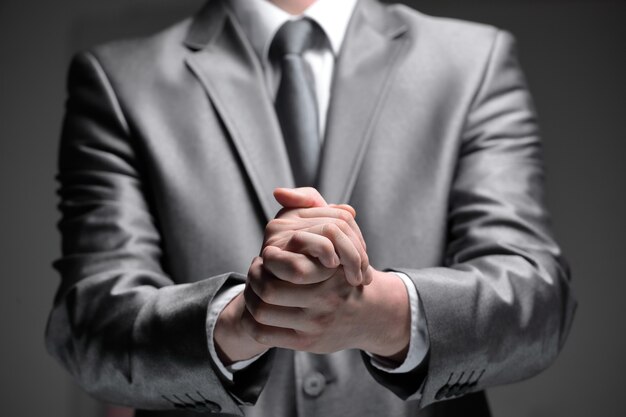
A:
[444,26]
[135,57]
[445,30]
[452,40]
[131,68]
[458,52]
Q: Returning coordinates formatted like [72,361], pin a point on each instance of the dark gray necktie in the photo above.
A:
[296,104]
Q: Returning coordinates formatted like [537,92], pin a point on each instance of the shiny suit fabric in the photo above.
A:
[169,154]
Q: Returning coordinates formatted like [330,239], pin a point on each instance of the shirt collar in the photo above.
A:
[261,19]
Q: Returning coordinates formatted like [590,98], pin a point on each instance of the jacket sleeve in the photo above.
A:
[126,332]
[500,307]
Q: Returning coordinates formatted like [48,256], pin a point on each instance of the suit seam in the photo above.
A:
[483,76]
[109,90]
[462,142]
[381,98]
[430,381]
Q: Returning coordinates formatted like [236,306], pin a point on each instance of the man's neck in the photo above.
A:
[294,7]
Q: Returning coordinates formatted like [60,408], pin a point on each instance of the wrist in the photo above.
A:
[232,343]
[388,314]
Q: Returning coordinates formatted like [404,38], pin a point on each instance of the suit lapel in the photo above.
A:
[230,72]
[232,76]
[364,68]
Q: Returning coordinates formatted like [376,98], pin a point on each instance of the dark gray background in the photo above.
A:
[573,54]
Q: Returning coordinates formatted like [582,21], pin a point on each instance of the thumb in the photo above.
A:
[303,197]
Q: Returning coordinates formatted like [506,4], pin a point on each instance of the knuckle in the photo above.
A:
[259,314]
[325,302]
[274,226]
[343,225]
[284,213]
[258,334]
[368,278]
[266,252]
[338,221]
[331,229]
[353,258]
[270,227]
[327,247]
[266,292]
[297,270]
[253,270]
[331,303]
[262,338]
[296,239]
[304,342]
[295,236]
[365,260]
[344,216]
[321,322]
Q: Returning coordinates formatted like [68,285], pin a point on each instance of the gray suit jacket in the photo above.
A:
[169,154]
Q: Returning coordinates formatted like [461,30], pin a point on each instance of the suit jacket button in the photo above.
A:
[443,392]
[314,384]
[453,391]
[212,407]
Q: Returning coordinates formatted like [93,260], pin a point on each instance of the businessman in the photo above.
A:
[305,208]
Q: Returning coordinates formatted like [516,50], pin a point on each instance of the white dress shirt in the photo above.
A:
[260,20]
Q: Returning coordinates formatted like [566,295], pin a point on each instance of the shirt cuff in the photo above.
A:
[419,343]
[220,302]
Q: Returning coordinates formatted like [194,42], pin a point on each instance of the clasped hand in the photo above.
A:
[312,288]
